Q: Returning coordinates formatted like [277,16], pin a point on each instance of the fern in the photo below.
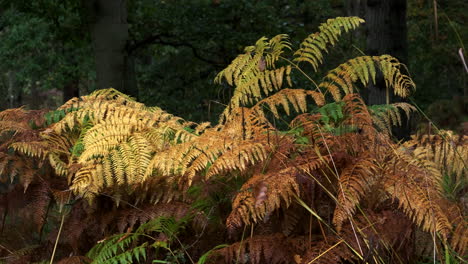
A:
[129,247]
[313,46]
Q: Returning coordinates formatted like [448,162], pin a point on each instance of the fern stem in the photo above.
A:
[57,239]
[341,188]
[325,252]
[301,71]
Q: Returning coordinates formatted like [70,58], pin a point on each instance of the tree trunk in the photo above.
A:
[15,94]
[386,34]
[109,34]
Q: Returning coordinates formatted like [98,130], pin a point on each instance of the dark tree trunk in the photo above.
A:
[15,93]
[386,34]
[35,98]
[71,90]
[109,34]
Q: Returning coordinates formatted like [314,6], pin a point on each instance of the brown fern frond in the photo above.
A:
[273,249]
[417,196]
[354,182]
[459,241]
[134,216]
[358,115]
[261,195]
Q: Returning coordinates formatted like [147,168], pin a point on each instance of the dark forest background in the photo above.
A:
[166,53]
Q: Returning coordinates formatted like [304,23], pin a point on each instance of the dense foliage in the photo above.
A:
[287,175]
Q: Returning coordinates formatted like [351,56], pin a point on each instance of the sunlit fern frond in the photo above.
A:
[254,74]
[286,97]
[448,151]
[261,195]
[264,52]
[97,96]
[364,69]
[236,145]
[208,155]
[355,181]
[124,163]
[314,45]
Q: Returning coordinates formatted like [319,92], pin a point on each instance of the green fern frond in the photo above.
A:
[312,47]
[129,247]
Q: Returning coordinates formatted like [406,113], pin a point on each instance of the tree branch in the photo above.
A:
[162,39]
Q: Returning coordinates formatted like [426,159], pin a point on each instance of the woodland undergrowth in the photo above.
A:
[287,175]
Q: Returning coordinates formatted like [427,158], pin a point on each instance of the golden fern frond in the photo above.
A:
[97,96]
[261,195]
[33,149]
[447,150]
[124,164]
[296,97]
[354,182]
[241,142]
[363,69]
[312,47]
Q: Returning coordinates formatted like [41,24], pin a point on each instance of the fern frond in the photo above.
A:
[274,248]
[261,195]
[312,47]
[386,116]
[354,182]
[363,69]
[254,74]
[417,196]
[32,149]
[447,150]
[295,97]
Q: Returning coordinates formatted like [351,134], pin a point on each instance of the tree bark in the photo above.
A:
[386,34]
[109,34]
